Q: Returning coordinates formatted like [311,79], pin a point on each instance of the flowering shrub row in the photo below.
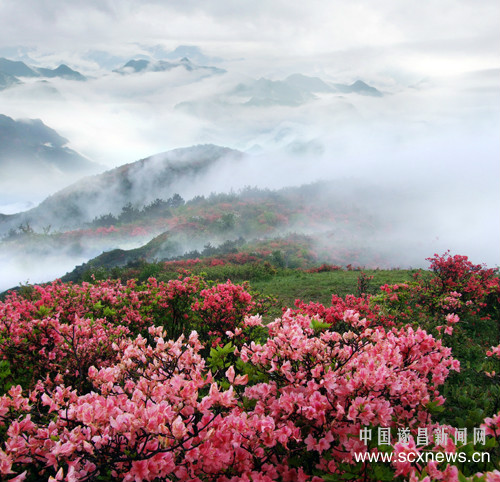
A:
[182,381]
[60,330]
[157,410]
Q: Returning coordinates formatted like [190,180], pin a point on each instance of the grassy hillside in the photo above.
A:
[284,268]
[290,285]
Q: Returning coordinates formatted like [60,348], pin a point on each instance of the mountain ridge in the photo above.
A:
[17,68]
[138,182]
[134,66]
[29,143]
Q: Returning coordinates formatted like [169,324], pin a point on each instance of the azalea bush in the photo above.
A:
[183,381]
[60,330]
[459,303]
[158,411]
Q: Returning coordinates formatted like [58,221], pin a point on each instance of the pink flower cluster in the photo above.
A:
[462,280]
[60,330]
[157,411]
[335,313]
[223,306]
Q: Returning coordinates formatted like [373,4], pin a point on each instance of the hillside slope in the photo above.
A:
[30,144]
[138,183]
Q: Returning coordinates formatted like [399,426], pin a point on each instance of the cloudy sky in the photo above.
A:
[437,63]
[392,44]
[444,37]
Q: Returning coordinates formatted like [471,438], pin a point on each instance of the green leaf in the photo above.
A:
[348,476]
[490,443]
[385,448]
[43,311]
[217,358]
[434,408]
[330,477]
[318,325]
[108,312]
[4,369]
[383,472]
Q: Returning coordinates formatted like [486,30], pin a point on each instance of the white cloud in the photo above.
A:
[273,28]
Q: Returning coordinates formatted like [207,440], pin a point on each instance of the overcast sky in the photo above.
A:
[438,37]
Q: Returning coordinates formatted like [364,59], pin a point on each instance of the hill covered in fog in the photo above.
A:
[35,159]
[138,183]
[29,144]
[337,228]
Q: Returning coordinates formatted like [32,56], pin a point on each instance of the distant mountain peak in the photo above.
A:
[16,68]
[143,65]
[20,69]
[135,65]
[7,80]
[192,52]
[62,71]
[359,87]
[29,144]
[27,131]
[311,84]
